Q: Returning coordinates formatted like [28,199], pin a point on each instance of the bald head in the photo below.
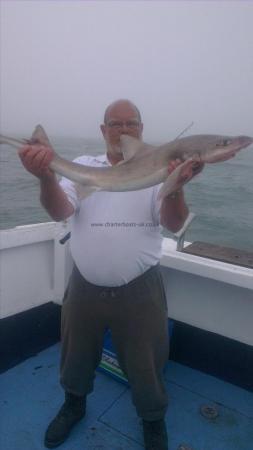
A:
[118,105]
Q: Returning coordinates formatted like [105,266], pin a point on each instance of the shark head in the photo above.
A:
[210,148]
[223,148]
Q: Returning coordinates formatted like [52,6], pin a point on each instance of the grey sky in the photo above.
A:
[62,62]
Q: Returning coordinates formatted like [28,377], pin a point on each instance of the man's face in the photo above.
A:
[121,119]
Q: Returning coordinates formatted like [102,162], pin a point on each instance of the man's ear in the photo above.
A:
[103,130]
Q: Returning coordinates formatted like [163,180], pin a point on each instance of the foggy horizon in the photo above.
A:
[63,62]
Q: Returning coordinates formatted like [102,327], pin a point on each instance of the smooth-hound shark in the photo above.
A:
[144,165]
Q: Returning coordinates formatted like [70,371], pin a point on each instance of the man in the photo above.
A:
[116,283]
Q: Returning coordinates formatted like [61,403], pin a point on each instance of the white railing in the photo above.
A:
[216,296]
[34,266]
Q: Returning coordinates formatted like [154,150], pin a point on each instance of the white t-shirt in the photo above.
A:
[115,236]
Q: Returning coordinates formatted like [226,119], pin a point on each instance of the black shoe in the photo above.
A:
[72,410]
[155,435]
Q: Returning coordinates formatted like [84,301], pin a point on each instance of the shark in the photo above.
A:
[144,165]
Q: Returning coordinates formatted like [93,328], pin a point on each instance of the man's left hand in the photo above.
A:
[173,164]
[195,169]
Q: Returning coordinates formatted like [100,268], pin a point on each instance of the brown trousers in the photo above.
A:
[136,314]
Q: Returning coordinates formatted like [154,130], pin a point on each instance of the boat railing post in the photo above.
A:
[180,235]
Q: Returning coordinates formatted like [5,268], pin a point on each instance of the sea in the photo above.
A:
[221,197]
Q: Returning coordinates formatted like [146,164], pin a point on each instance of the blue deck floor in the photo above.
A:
[31,395]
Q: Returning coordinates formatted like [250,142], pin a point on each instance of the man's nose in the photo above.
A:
[124,127]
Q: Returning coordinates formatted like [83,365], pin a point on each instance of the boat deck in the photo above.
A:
[31,395]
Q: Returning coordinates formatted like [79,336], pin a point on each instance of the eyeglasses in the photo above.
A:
[117,124]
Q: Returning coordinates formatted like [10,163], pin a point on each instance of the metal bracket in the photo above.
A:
[65,238]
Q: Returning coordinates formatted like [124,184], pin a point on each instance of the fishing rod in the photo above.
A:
[184,131]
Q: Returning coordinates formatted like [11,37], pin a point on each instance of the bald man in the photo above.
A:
[116,282]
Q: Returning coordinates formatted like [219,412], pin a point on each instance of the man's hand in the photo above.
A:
[193,170]
[197,167]
[36,159]
[173,164]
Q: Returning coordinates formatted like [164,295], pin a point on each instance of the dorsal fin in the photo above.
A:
[130,146]
[39,136]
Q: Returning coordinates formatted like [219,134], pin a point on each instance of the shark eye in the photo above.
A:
[223,143]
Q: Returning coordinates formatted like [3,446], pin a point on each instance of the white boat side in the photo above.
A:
[211,295]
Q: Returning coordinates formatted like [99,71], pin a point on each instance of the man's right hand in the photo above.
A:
[36,159]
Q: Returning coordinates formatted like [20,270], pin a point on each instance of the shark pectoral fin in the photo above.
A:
[130,146]
[84,191]
[176,179]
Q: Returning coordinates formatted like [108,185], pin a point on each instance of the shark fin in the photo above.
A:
[39,136]
[130,146]
[176,179]
[84,191]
